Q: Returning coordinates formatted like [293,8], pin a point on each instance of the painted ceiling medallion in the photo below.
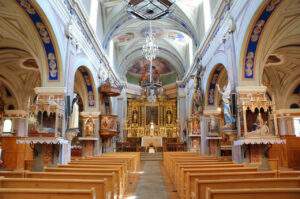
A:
[149,9]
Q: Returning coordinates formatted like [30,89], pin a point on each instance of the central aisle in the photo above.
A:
[151,184]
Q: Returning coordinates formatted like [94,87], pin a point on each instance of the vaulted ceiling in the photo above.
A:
[178,34]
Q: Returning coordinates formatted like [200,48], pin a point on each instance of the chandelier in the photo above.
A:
[150,10]
[150,51]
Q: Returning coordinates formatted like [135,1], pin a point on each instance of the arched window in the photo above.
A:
[297,126]
[7,126]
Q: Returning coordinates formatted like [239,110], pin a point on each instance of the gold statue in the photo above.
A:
[89,128]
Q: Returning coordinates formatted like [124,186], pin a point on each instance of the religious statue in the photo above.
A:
[260,126]
[134,116]
[213,127]
[169,117]
[74,118]
[198,99]
[229,119]
[151,129]
[89,128]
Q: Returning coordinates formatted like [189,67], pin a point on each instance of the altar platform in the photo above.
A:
[155,141]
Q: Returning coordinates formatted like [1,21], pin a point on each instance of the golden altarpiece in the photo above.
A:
[152,118]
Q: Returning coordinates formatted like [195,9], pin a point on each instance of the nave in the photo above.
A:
[179,99]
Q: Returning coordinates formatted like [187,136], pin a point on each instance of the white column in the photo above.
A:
[181,107]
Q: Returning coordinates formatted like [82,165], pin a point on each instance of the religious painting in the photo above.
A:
[140,66]
[152,115]
[125,37]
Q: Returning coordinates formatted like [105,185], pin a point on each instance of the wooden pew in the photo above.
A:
[135,155]
[186,183]
[180,167]
[18,193]
[171,165]
[128,161]
[202,185]
[112,185]
[121,166]
[120,178]
[98,185]
[286,174]
[266,193]
[12,174]
[179,177]
[226,175]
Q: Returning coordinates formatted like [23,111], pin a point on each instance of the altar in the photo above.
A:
[156,141]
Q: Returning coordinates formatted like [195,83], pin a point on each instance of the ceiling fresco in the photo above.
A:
[162,65]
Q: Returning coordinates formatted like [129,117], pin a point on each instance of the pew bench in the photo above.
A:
[112,185]
[34,183]
[202,185]
[120,179]
[186,180]
[18,193]
[265,193]
[192,177]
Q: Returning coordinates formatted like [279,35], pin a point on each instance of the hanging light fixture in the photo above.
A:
[150,51]
[150,10]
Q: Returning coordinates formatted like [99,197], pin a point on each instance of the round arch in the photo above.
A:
[87,76]
[250,36]
[218,75]
[46,27]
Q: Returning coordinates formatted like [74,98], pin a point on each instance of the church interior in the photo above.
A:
[140,99]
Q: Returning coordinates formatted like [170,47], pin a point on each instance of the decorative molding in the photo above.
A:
[216,111]
[16,113]
[288,111]
[90,114]
[257,29]
[248,89]
[41,140]
[45,36]
[50,90]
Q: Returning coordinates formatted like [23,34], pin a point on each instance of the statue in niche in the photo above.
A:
[260,126]
[198,99]
[89,128]
[229,119]
[169,117]
[74,118]
[135,116]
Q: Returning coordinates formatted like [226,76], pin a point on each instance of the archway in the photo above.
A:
[218,76]
[81,105]
[219,112]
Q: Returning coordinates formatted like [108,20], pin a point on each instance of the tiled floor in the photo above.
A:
[150,183]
